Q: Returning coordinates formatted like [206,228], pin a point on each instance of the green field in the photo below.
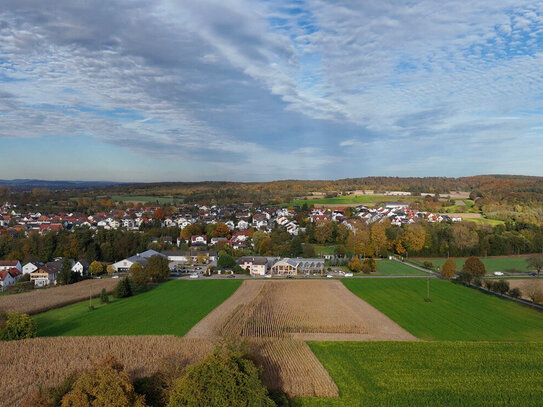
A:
[321,249]
[394,268]
[455,313]
[431,373]
[485,221]
[491,263]
[169,309]
[351,199]
[142,198]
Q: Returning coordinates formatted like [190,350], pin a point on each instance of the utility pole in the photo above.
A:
[428,299]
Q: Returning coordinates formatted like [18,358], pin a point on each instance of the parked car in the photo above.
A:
[329,276]
[533,274]
[348,274]
[268,276]
[194,275]
[115,277]
[498,273]
[230,276]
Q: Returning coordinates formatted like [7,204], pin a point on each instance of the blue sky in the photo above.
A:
[134,90]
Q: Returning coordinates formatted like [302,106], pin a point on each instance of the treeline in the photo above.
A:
[101,245]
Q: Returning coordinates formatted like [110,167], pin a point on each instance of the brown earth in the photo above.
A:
[524,284]
[306,310]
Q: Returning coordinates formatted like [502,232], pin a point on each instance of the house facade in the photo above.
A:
[8,264]
[46,275]
[257,266]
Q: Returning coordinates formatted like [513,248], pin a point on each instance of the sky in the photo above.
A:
[260,90]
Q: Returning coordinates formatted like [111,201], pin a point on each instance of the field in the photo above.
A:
[351,199]
[455,313]
[44,299]
[287,364]
[485,221]
[321,249]
[394,268]
[432,374]
[524,284]
[145,199]
[491,263]
[303,309]
[169,309]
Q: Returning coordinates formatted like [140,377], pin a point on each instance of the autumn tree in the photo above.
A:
[139,275]
[96,268]
[158,214]
[221,230]
[191,230]
[449,269]
[414,237]
[533,291]
[536,263]
[324,232]
[355,265]
[464,237]
[379,239]
[105,384]
[368,266]
[474,266]
[157,268]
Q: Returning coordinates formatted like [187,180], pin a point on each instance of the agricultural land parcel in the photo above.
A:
[169,309]
[351,200]
[456,313]
[45,299]
[431,373]
[491,263]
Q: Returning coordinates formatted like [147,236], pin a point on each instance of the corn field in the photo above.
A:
[288,364]
[286,307]
[45,299]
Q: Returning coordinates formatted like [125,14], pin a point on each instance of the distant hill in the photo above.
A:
[36,183]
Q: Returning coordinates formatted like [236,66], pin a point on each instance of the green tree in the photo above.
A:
[18,326]
[225,261]
[536,263]
[474,266]
[309,250]
[106,384]
[139,275]
[324,232]
[157,268]
[96,268]
[123,288]
[104,298]
[66,275]
[221,380]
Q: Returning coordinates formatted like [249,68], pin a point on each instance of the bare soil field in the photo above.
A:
[306,310]
[524,284]
[288,364]
[45,299]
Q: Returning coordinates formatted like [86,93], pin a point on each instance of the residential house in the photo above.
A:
[198,240]
[31,267]
[47,274]
[9,277]
[257,266]
[81,267]
[8,264]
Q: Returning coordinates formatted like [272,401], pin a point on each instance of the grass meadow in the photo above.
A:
[431,373]
[456,313]
[144,198]
[351,199]
[171,308]
[491,263]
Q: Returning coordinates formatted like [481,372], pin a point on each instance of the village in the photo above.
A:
[201,253]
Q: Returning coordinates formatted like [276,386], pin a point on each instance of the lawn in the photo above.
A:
[485,221]
[431,373]
[455,313]
[491,263]
[169,309]
[321,249]
[394,268]
[350,199]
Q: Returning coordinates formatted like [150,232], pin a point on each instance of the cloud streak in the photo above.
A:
[264,90]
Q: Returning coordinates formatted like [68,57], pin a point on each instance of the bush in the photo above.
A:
[123,288]
[465,277]
[104,298]
[239,270]
[221,380]
[226,261]
[52,396]
[501,286]
[428,264]
[515,293]
[18,326]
